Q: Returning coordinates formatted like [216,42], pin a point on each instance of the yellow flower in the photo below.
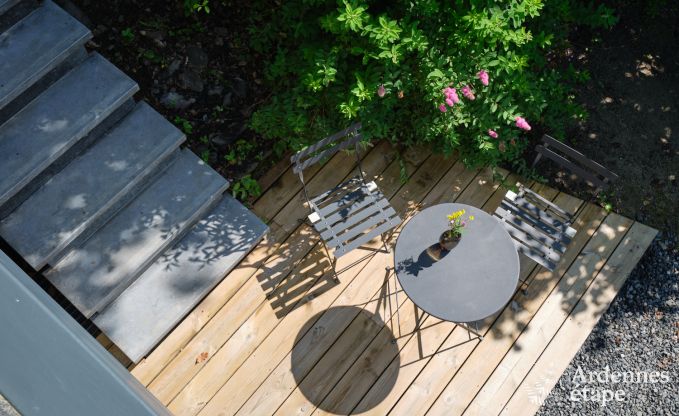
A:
[471,218]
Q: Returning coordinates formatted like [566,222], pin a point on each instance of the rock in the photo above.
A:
[220,140]
[175,100]
[191,80]
[173,67]
[197,58]
[215,90]
[227,100]
[239,87]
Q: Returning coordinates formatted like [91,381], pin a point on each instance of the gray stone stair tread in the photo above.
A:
[6,5]
[51,218]
[92,275]
[161,297]
[34,46]
[48,126]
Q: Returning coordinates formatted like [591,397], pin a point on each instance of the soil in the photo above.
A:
[632,98]
[190,69]
[193,68]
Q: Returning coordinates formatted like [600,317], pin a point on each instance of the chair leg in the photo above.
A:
[332,262]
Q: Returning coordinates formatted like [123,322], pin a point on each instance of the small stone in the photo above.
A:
[227,100]
[173,67]
[239,87]
[175,100]
[197,57]
[215,90]
[190,80]
[220,140]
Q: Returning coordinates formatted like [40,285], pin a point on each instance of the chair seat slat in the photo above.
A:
[540,218]
[532,241]
[339,252]
[533,196]
[526,251]
[356,231]
[353,214]
[517,222]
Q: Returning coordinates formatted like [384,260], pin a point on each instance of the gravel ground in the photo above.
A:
[638,333]
[6,409]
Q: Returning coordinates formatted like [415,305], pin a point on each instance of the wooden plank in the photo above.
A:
[581,321]
[249,296]
[345,395]
[273,391]
[274,173]
[269,354]
[443,366]
[517,361]
[485,358]
[277,253]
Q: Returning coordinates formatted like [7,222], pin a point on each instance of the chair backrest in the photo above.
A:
[537,234]
[575,162]
[326,148]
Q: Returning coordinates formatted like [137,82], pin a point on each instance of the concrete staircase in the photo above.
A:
[95,191]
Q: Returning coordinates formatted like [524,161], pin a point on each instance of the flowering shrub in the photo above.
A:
[465,76]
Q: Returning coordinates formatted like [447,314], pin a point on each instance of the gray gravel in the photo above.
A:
[639,333]
[7,409]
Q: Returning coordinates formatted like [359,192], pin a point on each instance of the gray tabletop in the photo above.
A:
[472,281]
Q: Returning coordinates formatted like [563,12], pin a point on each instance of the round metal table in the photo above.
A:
[470,282]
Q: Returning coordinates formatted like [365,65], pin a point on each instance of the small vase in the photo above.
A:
[448,241]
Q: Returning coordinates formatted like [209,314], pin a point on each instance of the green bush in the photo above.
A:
[387,63]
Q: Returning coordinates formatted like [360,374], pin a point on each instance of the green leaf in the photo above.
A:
[437,73]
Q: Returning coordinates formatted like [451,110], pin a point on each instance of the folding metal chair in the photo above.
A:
[352,213]
[589,171]
[541,234]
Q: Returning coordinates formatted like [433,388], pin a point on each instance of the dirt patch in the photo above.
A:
[189,68]
[632,98]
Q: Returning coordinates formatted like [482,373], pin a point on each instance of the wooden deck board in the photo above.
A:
[318,347]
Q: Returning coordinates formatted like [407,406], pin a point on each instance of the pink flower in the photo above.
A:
[443,108]
[463,223]
[483,77]
[450,102]
[492,133]
[522,123]
[381,91]
[451,94]
[467,92]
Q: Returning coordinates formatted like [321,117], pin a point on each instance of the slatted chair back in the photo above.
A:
[538,234]
[592,173]
[352,213]
[327,148]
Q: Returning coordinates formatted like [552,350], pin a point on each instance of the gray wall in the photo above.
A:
[49,365]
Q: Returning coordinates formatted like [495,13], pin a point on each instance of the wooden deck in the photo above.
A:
[278,335]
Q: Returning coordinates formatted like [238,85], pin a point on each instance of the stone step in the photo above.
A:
[55,121]
[168,290]
[95,273]
[91,188]
[35,46]
[6,5]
